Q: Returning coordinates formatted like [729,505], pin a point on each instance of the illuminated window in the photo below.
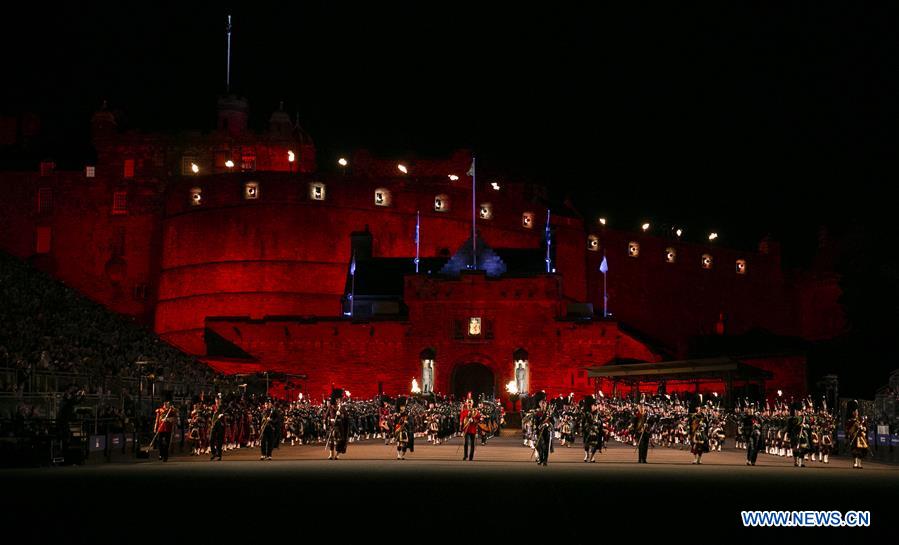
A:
[593,243]
[90,171]
[223,159]
[441,203]
[670,255]
[706,261]
[633,248]
[129,168]
[527,220]
[44,200]
[248,160]
[187,164]
[120,202]
[474,326]
[486,211]
[741,266]
[317,191]
[382,197]
[251,190]
[196,196]
[42,240]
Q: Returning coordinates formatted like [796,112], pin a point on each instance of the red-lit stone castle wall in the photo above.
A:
[178,266]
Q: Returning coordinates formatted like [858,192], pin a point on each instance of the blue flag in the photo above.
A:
[604,266]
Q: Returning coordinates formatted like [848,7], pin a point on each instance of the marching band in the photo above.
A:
[798,430]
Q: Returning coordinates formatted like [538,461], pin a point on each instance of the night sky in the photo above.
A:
[731,116]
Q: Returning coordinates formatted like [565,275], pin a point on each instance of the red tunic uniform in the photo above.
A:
[473,417]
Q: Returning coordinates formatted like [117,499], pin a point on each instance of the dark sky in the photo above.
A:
[728,116]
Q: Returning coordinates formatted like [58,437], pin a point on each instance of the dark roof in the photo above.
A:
[704,368]
[382,277]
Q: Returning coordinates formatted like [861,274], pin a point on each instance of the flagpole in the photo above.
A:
[548,243]
[604,269]
[605,296]
[417,237]
[353,288]
[474,244]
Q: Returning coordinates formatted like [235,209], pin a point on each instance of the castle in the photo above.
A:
[234,247]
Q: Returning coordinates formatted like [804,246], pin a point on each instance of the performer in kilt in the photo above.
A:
[544,425]
[339,425]
[752,435]
[403,429]
[856,434]
[699,435]
[797,433]
[592,427]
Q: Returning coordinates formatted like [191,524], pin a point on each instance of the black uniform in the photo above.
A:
[217,435]
[641,432]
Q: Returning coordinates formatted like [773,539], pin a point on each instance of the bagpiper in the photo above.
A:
[339,425]
[856,434]
[403,430]
[797,432]
[699,437]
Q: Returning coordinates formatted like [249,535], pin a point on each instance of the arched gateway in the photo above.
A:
[474,378]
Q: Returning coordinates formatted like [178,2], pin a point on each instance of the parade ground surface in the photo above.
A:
[433,496]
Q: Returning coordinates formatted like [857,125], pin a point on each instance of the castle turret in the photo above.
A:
[233,112]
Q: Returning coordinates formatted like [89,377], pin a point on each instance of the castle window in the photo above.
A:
[90,171]
[223,159]
[527,220]
[670,255]
[42,240]
[441,203]
[593,243]
[317,191]
[140,292]
[196,196]
[187,165]
[248,160]
[706,261]
[44,200]
[129,168]
[47,168]
[474,326]
[486,211]
[633,249]
[251,190]
[741,266]
[120,202]
[382,197]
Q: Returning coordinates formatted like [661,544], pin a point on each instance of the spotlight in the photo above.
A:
[342,162]
[229,163]
[453,177]
[645,227]
[290,156]
[402,168]
[602,221]
[713,236]
[194,168]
